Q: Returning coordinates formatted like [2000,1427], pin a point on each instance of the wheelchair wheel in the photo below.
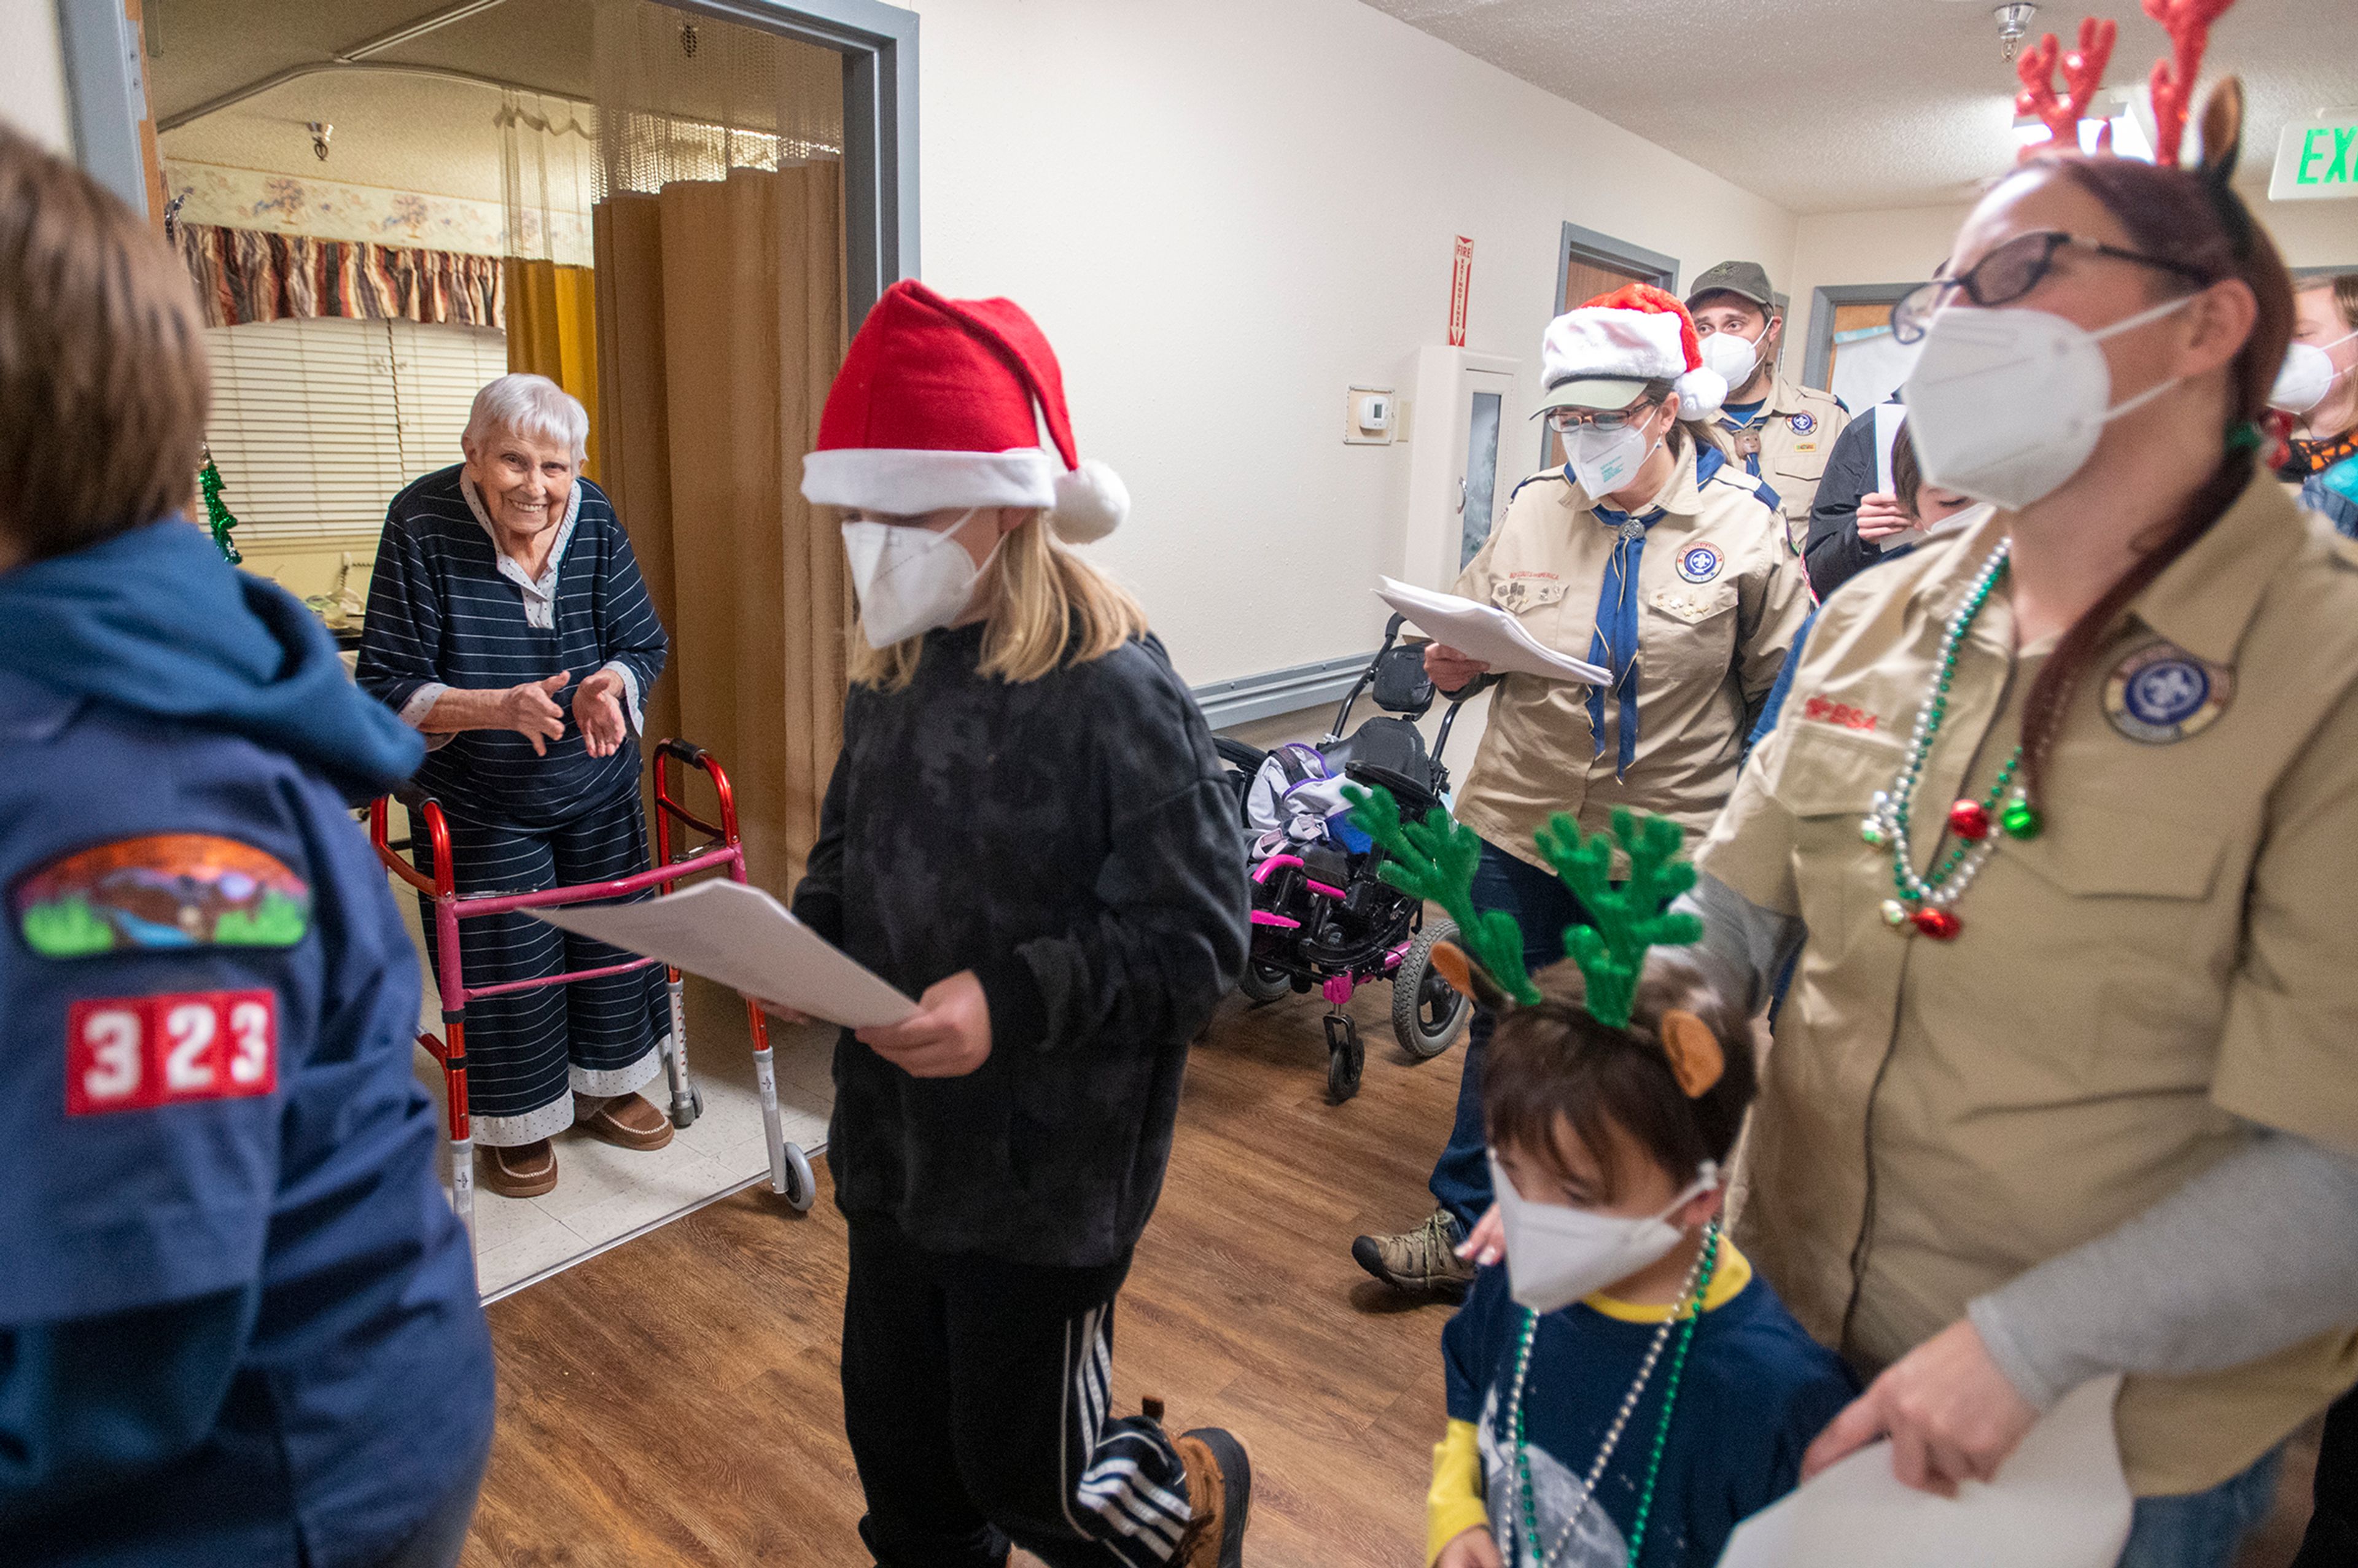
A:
[1265,983]
[1427,1010]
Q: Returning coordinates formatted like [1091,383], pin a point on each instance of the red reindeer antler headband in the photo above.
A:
[2188,23]
[2084,72]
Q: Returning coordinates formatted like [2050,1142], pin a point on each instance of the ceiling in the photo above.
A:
[1831,105]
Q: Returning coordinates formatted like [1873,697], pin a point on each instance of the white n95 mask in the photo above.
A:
[2306,376]
[1732,356]
[1556,1254]
[1604,462]
[909,580]
[2004,406]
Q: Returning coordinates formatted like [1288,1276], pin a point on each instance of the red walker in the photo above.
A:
[790,1172]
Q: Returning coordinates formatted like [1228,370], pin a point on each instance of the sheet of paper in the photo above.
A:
[1890,419]
[1487,632]
[742,939]
[2061,1502]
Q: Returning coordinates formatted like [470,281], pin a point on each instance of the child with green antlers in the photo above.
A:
[1624,1390]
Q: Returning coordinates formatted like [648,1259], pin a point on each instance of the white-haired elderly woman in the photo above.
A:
[508,619]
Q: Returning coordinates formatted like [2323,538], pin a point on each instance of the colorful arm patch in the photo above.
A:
[166,891]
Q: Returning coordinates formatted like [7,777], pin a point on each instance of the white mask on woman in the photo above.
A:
[1557,1254]
[909,580]
[1604,462]
[2005,406]
[2306,377]
[1732,355]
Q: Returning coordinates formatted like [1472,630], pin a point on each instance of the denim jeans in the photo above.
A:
[2202,1530]
[1543,906]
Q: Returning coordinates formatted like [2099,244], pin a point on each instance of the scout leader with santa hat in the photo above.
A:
[1028,829]
[1651,553]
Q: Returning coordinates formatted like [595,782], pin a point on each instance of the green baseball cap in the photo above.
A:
[1590,392]
[1750,279]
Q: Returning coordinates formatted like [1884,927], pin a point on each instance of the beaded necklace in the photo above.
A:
[1924,904]
[1684,1313]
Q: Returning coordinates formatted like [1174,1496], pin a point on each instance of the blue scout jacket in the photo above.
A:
[238,1322]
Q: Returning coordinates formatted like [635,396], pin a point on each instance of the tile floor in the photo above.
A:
[604,1193]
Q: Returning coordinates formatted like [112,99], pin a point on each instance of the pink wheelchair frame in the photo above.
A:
[790,1172]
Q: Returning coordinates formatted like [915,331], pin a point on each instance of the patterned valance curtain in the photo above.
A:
[247,274]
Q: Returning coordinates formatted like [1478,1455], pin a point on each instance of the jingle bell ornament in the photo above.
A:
[2021,820]
[1969,820]
[1895,914]
[1937,923]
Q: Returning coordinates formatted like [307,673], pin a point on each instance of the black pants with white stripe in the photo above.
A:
[976,1394]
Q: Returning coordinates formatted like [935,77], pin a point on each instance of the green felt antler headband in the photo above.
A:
[1435,859]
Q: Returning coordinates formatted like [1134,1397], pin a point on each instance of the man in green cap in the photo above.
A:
[1782,433]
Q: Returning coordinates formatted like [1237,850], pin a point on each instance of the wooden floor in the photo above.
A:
[675,1401]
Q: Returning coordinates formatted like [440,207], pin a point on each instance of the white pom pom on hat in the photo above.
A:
[1702,393]
[940,403]
[1091,502]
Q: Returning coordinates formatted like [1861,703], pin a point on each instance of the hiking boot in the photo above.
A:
[1220,1499]
[526,1171]
[1424,1259]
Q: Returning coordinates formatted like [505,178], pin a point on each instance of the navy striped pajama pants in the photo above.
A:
[528,1053]
[976,1395]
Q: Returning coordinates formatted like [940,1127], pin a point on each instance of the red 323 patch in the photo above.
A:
[137,1053]
[1825,710]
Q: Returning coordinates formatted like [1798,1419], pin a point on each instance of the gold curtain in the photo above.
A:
[719,328]
[553,331]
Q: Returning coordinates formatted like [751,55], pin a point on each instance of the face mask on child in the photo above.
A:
[1557,1254]
[909,580]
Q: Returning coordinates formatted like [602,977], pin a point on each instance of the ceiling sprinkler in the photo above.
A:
[2014,25]
[320,131]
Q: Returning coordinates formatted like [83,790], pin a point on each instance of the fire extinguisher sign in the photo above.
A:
[1461,274]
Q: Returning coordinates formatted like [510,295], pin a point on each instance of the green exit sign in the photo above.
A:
[2316,159]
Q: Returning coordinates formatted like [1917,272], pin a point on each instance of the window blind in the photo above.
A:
[316,422]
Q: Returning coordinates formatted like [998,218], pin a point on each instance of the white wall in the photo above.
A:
[33,74]
[1225,211]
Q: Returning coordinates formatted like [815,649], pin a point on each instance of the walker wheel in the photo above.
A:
[801,1186]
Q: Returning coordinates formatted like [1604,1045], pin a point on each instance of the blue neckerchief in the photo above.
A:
[1614,644]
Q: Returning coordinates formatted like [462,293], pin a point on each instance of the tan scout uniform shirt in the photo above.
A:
[1796,429]
[1708,650]
[2167,962]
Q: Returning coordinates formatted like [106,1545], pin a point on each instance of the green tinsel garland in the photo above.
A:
[217,512]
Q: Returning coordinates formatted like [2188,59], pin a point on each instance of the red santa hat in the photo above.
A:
[1602,354]
[940,403]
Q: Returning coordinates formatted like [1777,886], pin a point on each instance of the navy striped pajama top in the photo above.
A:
[439,609]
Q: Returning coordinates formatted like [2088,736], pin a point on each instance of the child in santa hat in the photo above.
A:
[1029,831]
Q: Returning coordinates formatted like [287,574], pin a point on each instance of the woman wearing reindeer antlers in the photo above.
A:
[2067,1084]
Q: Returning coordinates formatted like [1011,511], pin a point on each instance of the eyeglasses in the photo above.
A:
[2008,273]
[1563,421]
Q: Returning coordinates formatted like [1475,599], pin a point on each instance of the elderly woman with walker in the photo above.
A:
[508,621]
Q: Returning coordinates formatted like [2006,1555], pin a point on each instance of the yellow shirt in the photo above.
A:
[1796,429]
[2167,963]
[1720,602]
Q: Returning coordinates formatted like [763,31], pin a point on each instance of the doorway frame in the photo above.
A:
[1818,359]
[1577,244]
[105,87]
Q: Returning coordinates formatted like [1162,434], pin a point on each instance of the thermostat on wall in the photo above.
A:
[1369,416]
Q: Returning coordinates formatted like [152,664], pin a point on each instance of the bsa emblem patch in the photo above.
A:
[1802,424]
[165,891]
[1700,563]
[2161,693]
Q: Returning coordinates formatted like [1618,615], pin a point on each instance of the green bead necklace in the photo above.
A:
[1921,903]
[1683,1314]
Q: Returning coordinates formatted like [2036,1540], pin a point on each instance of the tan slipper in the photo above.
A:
[628,1121]
[526,1171]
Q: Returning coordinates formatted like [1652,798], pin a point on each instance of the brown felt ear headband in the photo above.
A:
[1696,1060]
